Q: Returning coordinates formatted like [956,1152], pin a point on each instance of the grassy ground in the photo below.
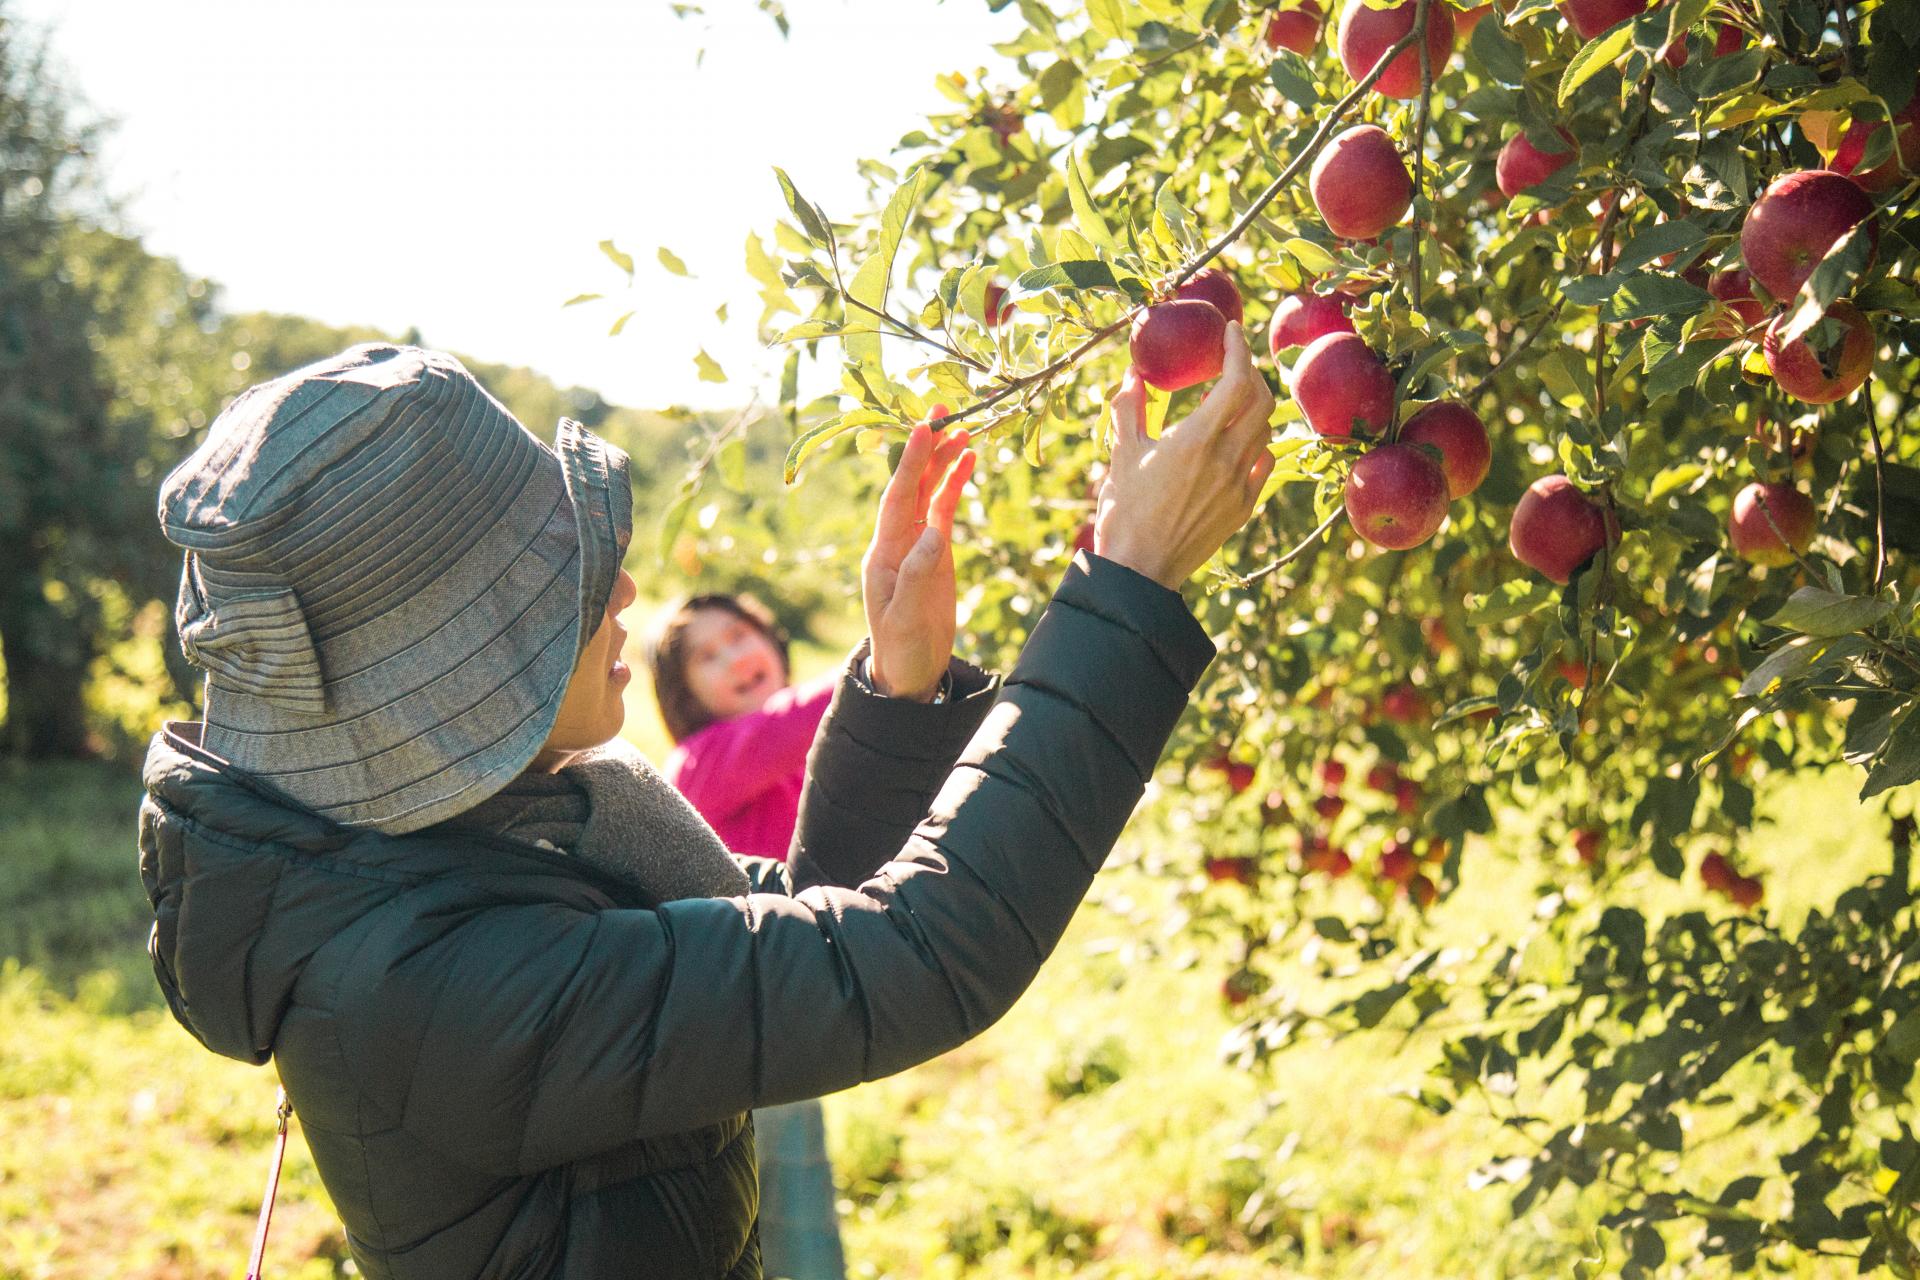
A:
[1093,1133]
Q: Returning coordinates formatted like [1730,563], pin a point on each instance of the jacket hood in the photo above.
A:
[246,886]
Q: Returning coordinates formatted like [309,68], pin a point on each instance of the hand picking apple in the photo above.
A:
[1168,504]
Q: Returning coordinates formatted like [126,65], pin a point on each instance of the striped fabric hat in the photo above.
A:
[389,581]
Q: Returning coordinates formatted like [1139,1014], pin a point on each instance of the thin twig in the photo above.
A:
[908,331]
[1306,544]
[1879,492]
[1421,11]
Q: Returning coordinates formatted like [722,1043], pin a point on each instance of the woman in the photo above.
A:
[523,1014]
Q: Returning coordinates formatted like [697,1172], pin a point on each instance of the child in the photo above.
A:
[721,676]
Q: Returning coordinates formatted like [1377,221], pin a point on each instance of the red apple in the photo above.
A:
[1215,286]
[1436,850]
[1832,372]
[1556,528]
[1366,34]
[1791,227]
[1586,843]
[1435,629]
[1894,170]
[1522,165]
[1403,704]
[1717,873]
[1465,20]
[1396,496]
[1341,387]
[1322,857]
[1333,774]
[1728,39]
[1176,344]
[1591,17]
[1239,776]
[1239,870]
[1302,317]
[1406,796]
[1422,891]
[1397,865]
[1383,777]
[1734,287]
[1360,184]
[1746,891]
[1457,432]
[1751,532]
[1297,29]
[1329,806]
[1573,671]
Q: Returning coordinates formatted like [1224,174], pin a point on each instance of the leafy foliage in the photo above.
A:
[1643,700]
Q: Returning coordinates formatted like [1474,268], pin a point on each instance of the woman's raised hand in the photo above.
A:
[907,574]
[1168,504]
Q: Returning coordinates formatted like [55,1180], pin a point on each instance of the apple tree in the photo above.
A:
[1596,334]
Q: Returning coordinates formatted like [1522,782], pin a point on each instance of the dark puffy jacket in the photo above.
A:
[507,1064]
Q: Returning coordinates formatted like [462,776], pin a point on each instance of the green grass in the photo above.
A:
[1095,1132]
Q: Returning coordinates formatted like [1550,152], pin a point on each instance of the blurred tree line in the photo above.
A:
[113,361]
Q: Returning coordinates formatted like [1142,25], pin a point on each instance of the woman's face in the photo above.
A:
[731,666]
[592,710]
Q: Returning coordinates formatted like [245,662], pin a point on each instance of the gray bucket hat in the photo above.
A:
[389,581]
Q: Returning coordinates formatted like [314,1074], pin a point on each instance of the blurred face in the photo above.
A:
[593,710]
[732,668]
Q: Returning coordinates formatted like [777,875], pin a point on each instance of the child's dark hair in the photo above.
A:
[683,712]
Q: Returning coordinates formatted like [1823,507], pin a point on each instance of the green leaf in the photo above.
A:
[1678,236]
[675,516]
[671,262]
[1313,259]
[579,298]
[1596,56]
[620,260]
[812,438]
[1653,294]
[1900,763]
[1834,277]
[1085,273]
[1816,612]
[731,463]
[1086,214]
[619,324]
[1681,367]
[1107,19]
[1289,73]
[812,222]
[710,371]
[1784,663]
[1499,52]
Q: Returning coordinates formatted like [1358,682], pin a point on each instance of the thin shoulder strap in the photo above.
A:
[283,1110]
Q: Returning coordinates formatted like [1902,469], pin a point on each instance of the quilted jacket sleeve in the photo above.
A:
[547,1033]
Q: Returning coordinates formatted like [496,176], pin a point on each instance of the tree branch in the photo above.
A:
[1266,197]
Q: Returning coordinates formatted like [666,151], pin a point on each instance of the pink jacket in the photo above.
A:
[744,775]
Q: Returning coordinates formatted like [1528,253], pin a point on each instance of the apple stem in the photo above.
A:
[1420,141]
[1879,490]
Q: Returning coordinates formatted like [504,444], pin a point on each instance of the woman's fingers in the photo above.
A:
[1257,476]
[947,500]
[1129,405]
[900,499]
[947,447]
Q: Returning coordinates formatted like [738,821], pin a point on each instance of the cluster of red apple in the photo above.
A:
[1720,877]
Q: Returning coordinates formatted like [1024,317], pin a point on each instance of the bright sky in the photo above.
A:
[454,163]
